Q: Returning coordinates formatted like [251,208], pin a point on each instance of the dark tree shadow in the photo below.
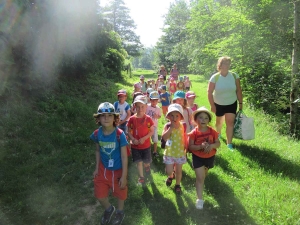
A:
[271,161]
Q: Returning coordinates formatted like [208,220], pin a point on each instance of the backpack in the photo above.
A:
[163,142]
[119,132]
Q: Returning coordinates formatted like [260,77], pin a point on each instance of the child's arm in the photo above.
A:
[123,179]
[143,139]
[97,160]
[134,141]
[194,147]
[208,147]
[166,134]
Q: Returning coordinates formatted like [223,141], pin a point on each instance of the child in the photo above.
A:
[203,141]
[137,88]
[123,108]
[168,83]
[140,129]
[179,97]
[174,72]
[173,86]
[149,83]
[175,137]
[143,84]
[154,112]
[164,99]
[149,90]
[180,84]
[159,82]
[190,98]
[111,163]
[132,109]
[187,84]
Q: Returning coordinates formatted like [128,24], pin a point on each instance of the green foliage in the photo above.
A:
[117,15]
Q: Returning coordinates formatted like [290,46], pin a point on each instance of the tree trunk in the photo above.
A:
[295,70]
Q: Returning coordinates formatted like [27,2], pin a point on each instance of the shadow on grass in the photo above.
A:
[270,161]
[225,165]
[227,211]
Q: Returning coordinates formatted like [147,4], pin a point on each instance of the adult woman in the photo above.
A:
[174,72]
[224,90]
[163,72]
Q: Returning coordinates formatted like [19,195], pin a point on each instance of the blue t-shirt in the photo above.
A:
[165,99]
[109,147]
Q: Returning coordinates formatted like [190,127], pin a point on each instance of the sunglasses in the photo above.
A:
[107,110]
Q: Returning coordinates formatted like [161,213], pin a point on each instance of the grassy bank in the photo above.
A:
[47,161]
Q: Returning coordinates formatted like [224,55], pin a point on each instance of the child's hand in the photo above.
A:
[207,147]
[122,182]
[135,141]
[95,173]
[142,140]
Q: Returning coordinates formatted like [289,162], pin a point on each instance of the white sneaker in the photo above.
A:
[199,204]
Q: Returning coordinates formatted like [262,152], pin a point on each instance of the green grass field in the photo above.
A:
[47,161]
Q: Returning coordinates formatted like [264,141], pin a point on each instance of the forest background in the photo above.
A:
[51,48]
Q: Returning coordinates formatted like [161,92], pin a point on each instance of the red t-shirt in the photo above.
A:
[139,128]
[199,137]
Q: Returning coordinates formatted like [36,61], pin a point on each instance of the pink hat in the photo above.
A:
[190,94]
[122,92]
[161,76]
[137,85]
[172,78]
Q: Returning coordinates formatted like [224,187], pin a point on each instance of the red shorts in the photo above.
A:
[164,109]
[106,180]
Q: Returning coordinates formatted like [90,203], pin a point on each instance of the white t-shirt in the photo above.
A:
[122,109]
[225,89]
[150,112]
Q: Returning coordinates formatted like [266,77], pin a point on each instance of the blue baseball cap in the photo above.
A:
[179,94]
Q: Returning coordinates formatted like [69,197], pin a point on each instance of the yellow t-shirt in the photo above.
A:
[176,149]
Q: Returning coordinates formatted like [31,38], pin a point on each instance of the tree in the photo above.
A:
[117,14]
[170,47]
[294,127]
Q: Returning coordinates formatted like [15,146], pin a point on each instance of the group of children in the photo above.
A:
[187,130]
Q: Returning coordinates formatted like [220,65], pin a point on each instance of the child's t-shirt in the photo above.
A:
[140,127]
[143,87]
[199,137]
[180,85]
[177,138]
[173,87]
[195,107]
[150,112]
[110,147]
[165,99]
[122,109]
[187,83]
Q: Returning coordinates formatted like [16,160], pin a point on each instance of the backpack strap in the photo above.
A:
[119,132]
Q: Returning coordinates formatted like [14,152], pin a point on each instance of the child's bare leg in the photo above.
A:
[154,147]
[200,177]
[169,169]
[104,202]
[120,204]
[140,169]
[178,172]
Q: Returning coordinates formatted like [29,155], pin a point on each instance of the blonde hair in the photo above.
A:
[222,60]
[184,106]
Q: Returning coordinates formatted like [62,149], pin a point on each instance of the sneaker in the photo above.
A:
[141,181]
[230,146]
[107,216]
[155,154]
[177,189]
[199,204]
[118,219]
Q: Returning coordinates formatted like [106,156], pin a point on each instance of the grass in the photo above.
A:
[47,161]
